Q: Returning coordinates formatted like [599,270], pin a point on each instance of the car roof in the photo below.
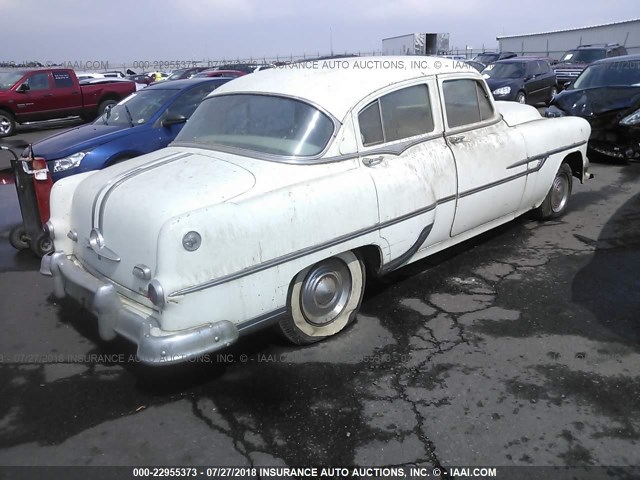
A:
[337,85]
[620,58]
[181,84]
[522,59]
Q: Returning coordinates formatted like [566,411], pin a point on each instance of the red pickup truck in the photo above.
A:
[44,94]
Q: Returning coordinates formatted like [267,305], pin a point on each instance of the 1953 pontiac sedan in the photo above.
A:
[286,186]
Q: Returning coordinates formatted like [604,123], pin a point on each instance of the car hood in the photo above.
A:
[78,139]
[591,102]
[495,83]
[570,66]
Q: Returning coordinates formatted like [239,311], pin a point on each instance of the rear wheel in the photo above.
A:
[7,124]
[18,238]
[557,199]
[521,97]
[324,299]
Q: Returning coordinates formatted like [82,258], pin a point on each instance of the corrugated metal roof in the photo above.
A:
[568,29]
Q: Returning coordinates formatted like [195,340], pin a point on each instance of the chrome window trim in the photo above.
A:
[270,157]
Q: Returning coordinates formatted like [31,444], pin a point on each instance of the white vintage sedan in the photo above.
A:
[286,186]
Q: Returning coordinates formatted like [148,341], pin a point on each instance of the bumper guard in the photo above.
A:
[155,347]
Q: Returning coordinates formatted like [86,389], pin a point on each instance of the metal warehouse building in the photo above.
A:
[554,44]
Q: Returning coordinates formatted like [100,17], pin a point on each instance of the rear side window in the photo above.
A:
[466,102]
[62,80]
[186,104]
[544,66]
[397,115]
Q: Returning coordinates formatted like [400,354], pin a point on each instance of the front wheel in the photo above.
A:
[18,238]
[324,299]
[557,199]
[521,97]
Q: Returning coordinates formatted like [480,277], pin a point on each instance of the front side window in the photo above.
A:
[38,81]
[466,102]
[267,124]
[397,115]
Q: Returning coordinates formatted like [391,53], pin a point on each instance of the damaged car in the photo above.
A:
[607,95]
[281,194]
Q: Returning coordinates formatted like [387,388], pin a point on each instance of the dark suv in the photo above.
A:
[575,61]
[488,58]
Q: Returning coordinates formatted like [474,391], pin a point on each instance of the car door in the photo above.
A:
[401,144]
[485,151]
[549,80]
[66,97]
[36,102]
[534,83]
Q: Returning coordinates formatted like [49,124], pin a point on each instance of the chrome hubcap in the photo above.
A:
[521,99]
[5,124]
[325,292]
[559,193]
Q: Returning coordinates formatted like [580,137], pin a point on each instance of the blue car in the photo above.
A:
[143,122]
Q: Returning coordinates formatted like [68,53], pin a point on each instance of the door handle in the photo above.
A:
[457,139]
[371,161]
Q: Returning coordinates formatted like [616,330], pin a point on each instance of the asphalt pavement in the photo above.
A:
[518,348]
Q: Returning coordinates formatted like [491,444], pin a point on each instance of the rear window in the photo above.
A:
[267,124]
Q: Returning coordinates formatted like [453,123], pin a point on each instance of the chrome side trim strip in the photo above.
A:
[494,184]
[545,155]
[121,176]
[129,176]
[301,253]
[404,258]
[261,321]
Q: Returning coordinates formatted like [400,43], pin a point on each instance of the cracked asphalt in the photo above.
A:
[520,347]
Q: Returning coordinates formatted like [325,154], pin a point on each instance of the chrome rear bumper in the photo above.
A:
[155,346]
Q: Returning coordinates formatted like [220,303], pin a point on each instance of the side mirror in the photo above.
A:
[24,87]
[173,120]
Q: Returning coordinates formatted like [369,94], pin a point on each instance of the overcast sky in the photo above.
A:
[150,30]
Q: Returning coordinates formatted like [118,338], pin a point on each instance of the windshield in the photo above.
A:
[505,70]
[487,58]
[260,123]
[141,106]
[9,79]
[583,56]
[609,75]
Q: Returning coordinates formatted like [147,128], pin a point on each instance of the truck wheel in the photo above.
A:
[324,299]
[18,238]
[42,245]
[7,124]
[105,104]
[556,201]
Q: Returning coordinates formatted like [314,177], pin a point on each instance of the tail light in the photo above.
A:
[40,169]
